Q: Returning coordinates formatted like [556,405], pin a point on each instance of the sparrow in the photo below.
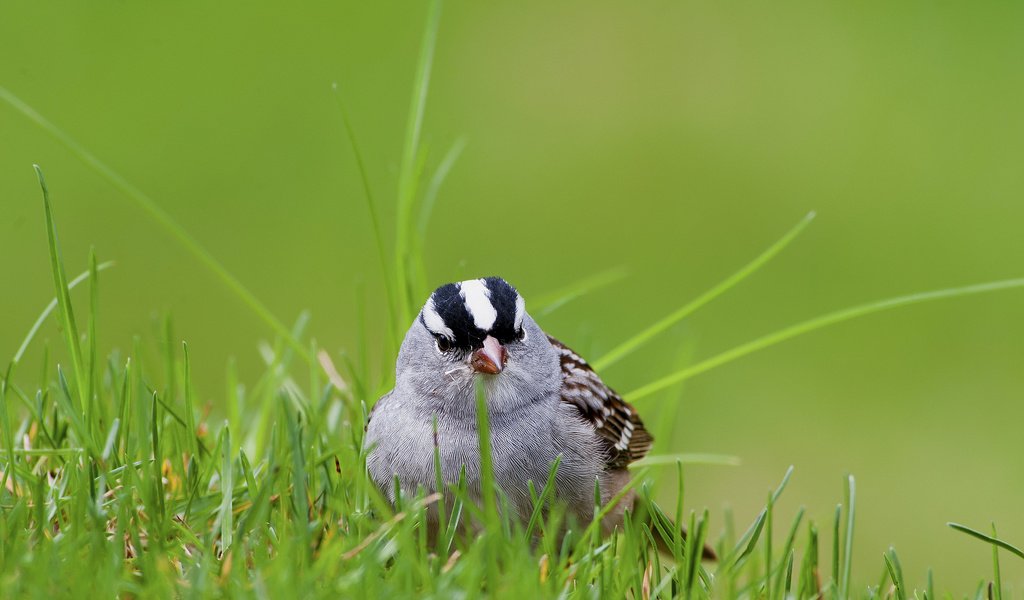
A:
[543,402]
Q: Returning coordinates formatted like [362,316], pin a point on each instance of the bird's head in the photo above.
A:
[477,329]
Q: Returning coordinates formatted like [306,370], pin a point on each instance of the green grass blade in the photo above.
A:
[836,544]
[823,321]
[851,506]
[190,413]
[808,579]
[613,502]
[6,424]
[677,532]
[769,508]
[371,206]
[488,490]
[892,564]
[160,216]
[227,486]
[418,252]
[664,460]
[988,538]
[442,513]
[748,541]
[157,476]
[997,581]
[92,415]
[430,194]
[787,550]
[548,303]
[50,308]
[409,169]
[545,496]
[630,345]
[788,584]
[300,493]
[60,282]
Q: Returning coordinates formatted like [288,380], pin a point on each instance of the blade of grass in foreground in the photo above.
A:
[851,506]
[371,206]
[662,460]
[988,538]
[997,582]
[430,195]
[408,171]
[816,323]
[892,564]
[161,217]
[227,487]
[552,301]
[748,541]
[488,487]
[627,347]
[420,286]
[49,309]
[5,423]
[60,282]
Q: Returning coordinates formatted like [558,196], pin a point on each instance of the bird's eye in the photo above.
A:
[444,344]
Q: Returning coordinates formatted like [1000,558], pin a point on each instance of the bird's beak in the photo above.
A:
[491,358]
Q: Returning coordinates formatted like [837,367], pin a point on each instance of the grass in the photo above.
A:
[116,483]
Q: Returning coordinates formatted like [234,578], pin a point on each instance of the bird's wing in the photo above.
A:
[617,423]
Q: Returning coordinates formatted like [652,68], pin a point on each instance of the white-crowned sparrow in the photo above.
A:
[543,401]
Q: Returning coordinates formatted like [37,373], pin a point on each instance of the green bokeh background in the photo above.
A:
[674,139]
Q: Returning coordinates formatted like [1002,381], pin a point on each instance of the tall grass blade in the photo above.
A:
[190,412]
[409,169]
[892,564]
[988,538]
[371,206]
[488,488]
[545,496]
[748,541]
[103,266]
[156,476]
[693,458]
[426,209]
[787,549]
[227,487]
[434,187]
[836,544]
[627,347]
[851,511]
[488,491]
[67,314]
[6,424]
[162,218]
[769,508]
[545,304]
[823,321]
[997,581]
[442,513]
[91,414]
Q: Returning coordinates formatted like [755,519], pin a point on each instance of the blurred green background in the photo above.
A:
[674,139]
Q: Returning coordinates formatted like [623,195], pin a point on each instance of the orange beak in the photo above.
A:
[491,358]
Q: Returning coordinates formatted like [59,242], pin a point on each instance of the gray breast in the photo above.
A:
[525,443]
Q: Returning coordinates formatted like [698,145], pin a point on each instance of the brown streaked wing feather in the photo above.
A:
[616,422]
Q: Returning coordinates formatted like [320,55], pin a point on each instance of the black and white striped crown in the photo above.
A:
[465,313]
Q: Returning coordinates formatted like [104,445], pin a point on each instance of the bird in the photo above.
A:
[544,402]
